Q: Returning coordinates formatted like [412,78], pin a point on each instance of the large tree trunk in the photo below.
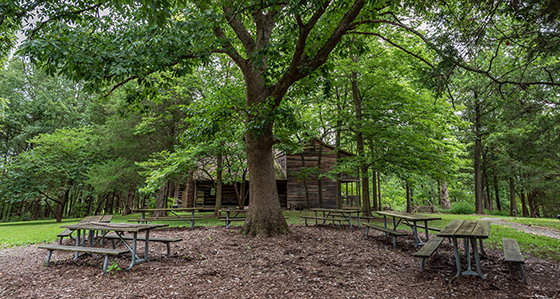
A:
[444,192]
[264,217]
[479,206]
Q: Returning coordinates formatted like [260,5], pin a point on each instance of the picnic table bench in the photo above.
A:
[389,231]
[334,215]
[325,219]
[105,251]
[427,250]
[176,217]
[233,215]
[411,219]
[167,241]
[96,218]
[512,254]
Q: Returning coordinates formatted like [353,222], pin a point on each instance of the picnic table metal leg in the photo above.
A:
[192,221]
[427,232]
[481,247]
[417,240]
[49,253]
[146,246]
[469,270]
[457,258]
[133,262]
[77,243]
[477,259]
[143,217]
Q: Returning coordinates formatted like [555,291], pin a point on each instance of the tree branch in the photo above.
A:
[240,30]
[395,45]
[32,32]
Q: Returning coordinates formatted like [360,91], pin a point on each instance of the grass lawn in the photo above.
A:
[45,231]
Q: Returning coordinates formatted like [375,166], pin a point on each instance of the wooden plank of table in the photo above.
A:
[466,229]
[450,228]
[162,210]
[408,216]
[126,227]
[482,229]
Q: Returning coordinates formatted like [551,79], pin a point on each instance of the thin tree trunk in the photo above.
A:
[408,199]
[379,190]
[337,145]
[444,192]
[308,201]
[218,206]
[376,207]
[512,203]
[479,206]
[319,183]
[497,192]
[531,199]
[364,171]
[523,203]
[129,204]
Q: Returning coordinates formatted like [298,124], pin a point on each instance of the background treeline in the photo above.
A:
[69,152]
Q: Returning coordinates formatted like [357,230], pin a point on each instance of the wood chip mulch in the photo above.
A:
[312,262]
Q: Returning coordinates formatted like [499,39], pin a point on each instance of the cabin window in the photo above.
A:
[212,191]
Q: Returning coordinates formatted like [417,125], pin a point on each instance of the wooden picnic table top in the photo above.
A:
[335,210]
[459,228]
[163,209]
[121,227]
[408,216]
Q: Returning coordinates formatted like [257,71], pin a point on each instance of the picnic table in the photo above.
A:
[470,231]
[96,218]
[105,228]
[233,215]
[334,215]
[411,220]
[176,217]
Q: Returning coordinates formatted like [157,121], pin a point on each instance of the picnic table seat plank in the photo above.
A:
[105,251]
[392,232]
[450,228]
[167,241]
[512,254]
[427,250]
[325,219]
[165,219]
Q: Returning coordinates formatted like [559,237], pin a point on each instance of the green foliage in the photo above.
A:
[462,207]
[112,268]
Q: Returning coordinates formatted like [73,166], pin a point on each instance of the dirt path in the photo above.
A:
[535,230]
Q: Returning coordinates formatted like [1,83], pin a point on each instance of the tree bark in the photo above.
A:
[304,178]
[379,190]
[479,206]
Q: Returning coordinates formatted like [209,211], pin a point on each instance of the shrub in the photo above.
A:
[462,207]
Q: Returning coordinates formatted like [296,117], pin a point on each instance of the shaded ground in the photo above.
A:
[313,262]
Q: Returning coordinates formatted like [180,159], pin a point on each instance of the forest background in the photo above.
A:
[448,105]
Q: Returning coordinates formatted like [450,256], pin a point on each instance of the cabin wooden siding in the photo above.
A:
[295,186]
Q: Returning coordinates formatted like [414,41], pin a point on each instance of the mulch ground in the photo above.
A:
[313,262]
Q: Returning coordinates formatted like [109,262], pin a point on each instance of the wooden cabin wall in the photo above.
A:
[296,189]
